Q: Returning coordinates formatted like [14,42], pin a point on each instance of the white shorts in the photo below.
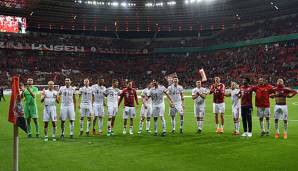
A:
[158,111]
[236,112]
[263,112]
[176,109]
[129,112]
[86,111]
[199,111]
[218,107]
[112,111]
[67,112]
[98,110]
[146,112]
[49,113]
[281,112]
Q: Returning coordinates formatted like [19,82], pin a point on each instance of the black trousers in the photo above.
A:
[246,118]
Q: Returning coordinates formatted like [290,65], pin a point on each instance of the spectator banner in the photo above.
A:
[65,48]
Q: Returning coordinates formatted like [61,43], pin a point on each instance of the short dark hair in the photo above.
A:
[247,79]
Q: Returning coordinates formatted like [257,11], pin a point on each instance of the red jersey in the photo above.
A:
[129,95]
[218,93]
[282,91]
[246,95]
[262,95]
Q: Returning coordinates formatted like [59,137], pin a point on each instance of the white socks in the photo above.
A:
[200,125]
[286,128]
[262,126]
[109,126]
[71,127]
[100,123]
[173,123]
[276,127]
[268,124]
[88,125]
[181,123]
[155,126]
[237,126]
[54,131]
[63,128]
[163,124]
[81,125]
[141,125]
[147,125]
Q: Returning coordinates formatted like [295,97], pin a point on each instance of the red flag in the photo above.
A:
[14,93]
[16,112]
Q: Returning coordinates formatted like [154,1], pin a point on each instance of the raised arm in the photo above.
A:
[292,93]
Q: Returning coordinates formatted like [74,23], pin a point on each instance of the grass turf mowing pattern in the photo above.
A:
[189,151]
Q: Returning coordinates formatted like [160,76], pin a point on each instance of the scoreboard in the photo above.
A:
[12,24]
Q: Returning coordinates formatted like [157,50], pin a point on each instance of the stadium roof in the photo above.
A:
[144,15]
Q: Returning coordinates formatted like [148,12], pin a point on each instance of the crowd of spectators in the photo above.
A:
[258,29]
[269,61]
[274,61]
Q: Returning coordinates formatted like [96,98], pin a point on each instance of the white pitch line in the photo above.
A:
[252,117]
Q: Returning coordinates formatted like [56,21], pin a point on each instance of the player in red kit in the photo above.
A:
[218,91]
[130,97]
[262,100]
[280,94]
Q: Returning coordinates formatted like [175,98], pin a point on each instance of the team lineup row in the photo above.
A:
[92,101]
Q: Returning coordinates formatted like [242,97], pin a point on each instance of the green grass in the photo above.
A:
[190,151]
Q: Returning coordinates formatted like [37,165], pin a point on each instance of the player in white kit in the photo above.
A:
[112,94]
[68,102]
[176,93]
[98,105]
[156,93]
[199,95]
[86,98]
[236,106]
[146,109]
[49,97]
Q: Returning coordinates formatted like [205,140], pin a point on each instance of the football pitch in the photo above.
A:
[174,152]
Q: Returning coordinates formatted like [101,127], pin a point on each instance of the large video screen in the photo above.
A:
[12,24]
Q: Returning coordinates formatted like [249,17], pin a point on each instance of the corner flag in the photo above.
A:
[16,113]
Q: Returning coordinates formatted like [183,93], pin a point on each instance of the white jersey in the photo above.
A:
[50,97]
[67,95]
[86,96]
[145,93]
[156,95]
[98,93]
[235,98]
[112,96]
[175,93]
[199,100]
